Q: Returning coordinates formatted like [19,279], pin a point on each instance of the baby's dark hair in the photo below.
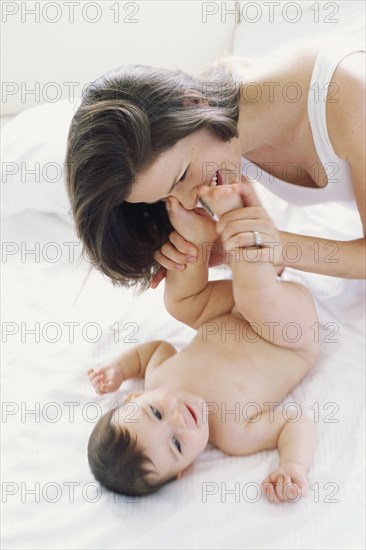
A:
[117,462]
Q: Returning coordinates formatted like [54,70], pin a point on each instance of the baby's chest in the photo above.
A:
[219,376]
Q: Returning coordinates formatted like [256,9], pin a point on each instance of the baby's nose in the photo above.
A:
[178,418]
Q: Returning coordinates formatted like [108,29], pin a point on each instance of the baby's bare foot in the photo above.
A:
[222,199]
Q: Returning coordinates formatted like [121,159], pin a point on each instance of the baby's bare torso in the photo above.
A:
[233,369]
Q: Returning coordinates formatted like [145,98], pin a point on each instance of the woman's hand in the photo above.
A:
[235,228]
[250,227]
[106,379]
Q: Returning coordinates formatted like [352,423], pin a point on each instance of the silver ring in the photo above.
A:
[258,240]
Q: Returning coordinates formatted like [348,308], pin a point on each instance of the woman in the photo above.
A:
[143,134]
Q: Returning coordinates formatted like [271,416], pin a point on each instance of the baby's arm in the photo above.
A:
[130,364]
[295,439]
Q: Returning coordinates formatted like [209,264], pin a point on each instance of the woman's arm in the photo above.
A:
[346,129]
[346,123]
[345,259]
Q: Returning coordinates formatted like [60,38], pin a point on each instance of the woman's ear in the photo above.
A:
[197,99]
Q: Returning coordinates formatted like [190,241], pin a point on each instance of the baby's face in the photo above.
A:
[170,425]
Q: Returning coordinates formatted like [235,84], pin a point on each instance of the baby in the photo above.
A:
[253,346]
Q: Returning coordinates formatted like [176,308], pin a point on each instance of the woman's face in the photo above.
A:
[190,163]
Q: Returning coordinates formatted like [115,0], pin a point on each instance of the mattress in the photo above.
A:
[60,318]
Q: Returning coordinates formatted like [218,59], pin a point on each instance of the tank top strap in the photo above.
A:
[321,82]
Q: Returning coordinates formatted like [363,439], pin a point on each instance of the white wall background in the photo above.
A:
[50,50]
[58,42]
[266,25]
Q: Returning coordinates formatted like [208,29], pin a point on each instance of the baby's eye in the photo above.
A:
[177,444]
[156,412]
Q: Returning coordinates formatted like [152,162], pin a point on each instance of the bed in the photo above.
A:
[60,318]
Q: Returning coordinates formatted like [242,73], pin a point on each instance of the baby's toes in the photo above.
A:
[224,199]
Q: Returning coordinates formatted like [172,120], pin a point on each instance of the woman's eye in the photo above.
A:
[156,412]
[177,444]
[184,175]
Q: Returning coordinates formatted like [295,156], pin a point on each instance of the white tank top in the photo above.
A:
[339,186]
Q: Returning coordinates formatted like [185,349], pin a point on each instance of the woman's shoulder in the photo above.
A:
[347,111]
[294,63]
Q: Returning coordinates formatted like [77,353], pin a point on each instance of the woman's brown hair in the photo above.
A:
[126,119]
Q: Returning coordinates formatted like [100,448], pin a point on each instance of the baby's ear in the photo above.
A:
[131,396]
[182,472]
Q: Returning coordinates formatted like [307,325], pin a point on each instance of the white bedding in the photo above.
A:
[45,451]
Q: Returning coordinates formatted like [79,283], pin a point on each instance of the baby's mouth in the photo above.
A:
[192,412]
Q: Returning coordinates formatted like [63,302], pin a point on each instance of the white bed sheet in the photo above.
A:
[48,456]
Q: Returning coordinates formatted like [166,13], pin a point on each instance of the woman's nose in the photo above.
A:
[187,198]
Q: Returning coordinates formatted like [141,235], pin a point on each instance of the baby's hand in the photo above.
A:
[287,483]
[106,379]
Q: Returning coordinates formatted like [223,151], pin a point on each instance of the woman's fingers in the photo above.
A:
[245,240]
[263,226]
[249,213]
[247,193]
